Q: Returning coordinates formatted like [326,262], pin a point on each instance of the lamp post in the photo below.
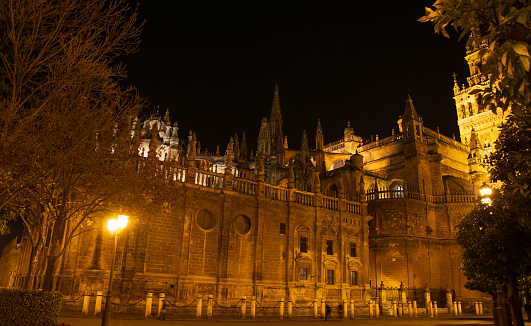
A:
[484,193]
[115,226]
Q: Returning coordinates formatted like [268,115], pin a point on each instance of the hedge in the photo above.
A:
[35,308]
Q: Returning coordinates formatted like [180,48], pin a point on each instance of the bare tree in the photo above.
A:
[65,121]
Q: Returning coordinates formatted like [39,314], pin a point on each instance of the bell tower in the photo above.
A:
[470,117]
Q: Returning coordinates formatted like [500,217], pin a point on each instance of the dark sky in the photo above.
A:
[215,64]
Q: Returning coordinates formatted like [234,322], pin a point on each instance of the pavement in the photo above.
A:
[136,320]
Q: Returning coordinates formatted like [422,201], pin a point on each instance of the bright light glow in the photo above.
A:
[118,224]
[113,225]
[122,221]
[485,190]
[486,201]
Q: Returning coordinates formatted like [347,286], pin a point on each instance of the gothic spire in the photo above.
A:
[275,120]
[410,113]
[319,139]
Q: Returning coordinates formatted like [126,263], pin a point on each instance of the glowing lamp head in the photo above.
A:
[113,225]
[122,221]
[118,224]
[485,190]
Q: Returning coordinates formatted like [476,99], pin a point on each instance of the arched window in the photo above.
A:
[397,190]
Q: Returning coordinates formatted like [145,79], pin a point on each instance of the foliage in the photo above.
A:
[493,246]
[35,308]
[501,30]
[511,163]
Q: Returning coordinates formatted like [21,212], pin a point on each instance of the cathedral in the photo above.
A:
[332,221]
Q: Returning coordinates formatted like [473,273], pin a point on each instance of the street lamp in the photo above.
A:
[115,226]
[484,192]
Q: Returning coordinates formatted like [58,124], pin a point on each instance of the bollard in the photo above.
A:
[400,309]
[481,308]
[371,309]
[377,310]
[253,307]
[410,308]
[345,310]
[351,308]
[435,312]
[149,303]
[244,307]
[315,308]
[97,309]
[290,309]
[395,309]
[476,307]
[459,308]
[86,301]
[455,308]
[209,306]
[281,308]
[162,297]
[430,305]
[415,308]
[323,308]
[199,308]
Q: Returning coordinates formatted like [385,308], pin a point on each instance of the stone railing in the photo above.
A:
[442,198]
[380,142]
[209,179]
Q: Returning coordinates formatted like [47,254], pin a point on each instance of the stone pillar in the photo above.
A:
[351,308]
[383,297]
[162,297]
[97,309]
[281,309]
[290,309]
[377,310]
[395,310]
[323,308]
[403,294]
[149,303]
[481,308]
[410,308]
[435,311]
[209,306]
[315,308]
[455,309]
[371,308]
[199,307]
[430,308]
[415,312]
[253,307]
[448,297]
[243,308]
[86,301]
[459,308]
[345,310]
[476,306]
[427,296]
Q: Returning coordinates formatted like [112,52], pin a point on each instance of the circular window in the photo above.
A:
[205,219]
[242,224]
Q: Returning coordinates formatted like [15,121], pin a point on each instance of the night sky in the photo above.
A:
[215,64]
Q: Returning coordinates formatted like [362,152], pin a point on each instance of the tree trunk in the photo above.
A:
[515,304]
[51,259]
[34,254]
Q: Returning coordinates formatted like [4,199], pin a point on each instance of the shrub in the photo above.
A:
[35,308]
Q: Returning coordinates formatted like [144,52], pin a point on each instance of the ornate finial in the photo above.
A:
[153,144]
[167,116]
[217,151]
